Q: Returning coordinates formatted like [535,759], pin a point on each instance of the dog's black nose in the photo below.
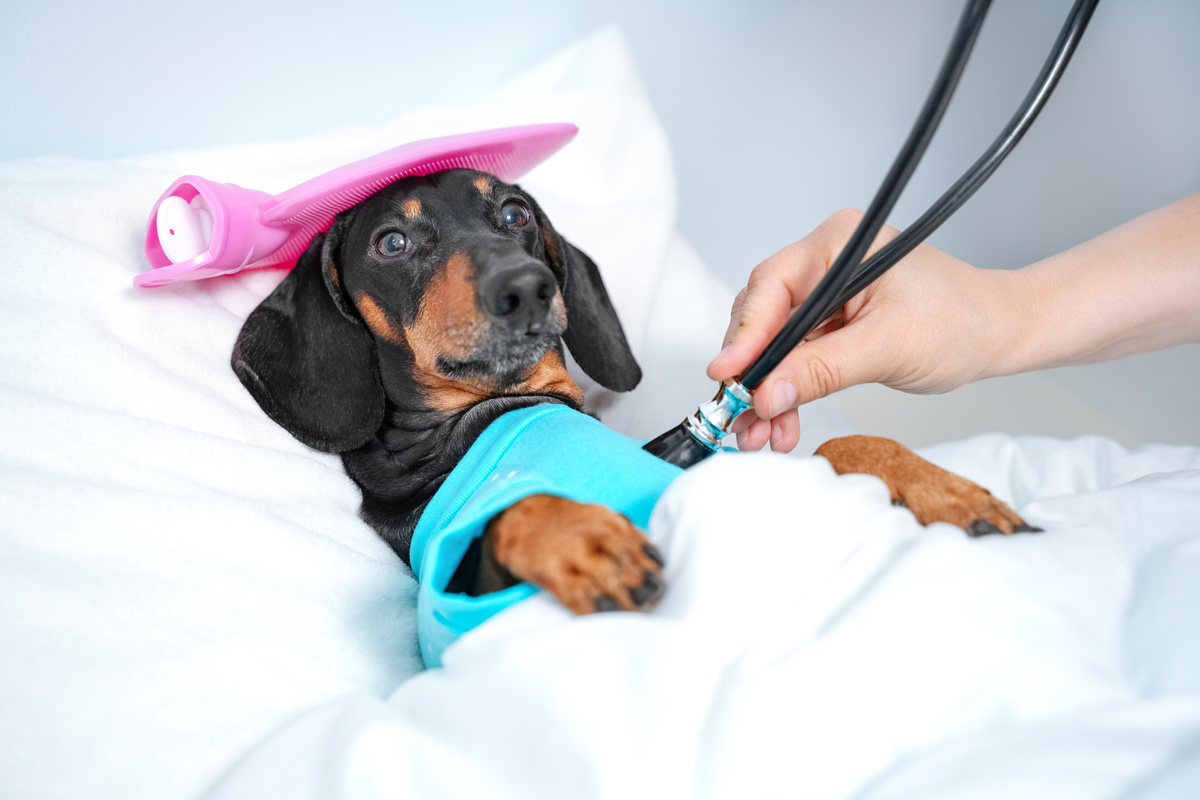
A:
[519,296]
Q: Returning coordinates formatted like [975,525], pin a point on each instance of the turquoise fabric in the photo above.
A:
[545,449]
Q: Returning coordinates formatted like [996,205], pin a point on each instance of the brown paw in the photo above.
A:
[930,492]
[588,556]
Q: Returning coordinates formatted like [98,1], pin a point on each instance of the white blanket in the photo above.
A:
[180,579]
[817,642]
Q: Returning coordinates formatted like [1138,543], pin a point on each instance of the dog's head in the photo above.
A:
[436,293]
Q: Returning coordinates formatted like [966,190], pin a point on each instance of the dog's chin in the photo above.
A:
[500,362]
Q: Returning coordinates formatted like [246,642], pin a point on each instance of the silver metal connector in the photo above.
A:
[710,424]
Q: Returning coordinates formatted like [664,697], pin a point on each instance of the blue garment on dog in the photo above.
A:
[544,449]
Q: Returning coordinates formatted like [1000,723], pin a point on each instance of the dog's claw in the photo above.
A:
[1025,528]
[981,527]
[606,603]
[650,590]
[899,502]
[652,553]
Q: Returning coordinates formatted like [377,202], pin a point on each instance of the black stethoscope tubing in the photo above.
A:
[846,277]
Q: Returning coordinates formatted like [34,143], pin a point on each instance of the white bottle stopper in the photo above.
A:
[184,229]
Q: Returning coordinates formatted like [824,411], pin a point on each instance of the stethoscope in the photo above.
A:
[699,436]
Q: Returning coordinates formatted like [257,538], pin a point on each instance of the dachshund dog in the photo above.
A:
[443,302]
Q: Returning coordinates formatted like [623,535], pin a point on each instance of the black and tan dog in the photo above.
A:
[442,302]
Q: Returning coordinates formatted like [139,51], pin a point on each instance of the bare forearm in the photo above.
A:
[1131,290]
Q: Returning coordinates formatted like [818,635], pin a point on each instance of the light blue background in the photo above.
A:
[779,112]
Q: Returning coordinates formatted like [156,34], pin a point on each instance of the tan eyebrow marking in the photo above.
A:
[375,318]
[483,184]
[411,207]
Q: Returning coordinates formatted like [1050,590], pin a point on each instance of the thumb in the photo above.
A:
[817,368]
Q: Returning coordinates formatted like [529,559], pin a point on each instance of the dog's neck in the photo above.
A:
[429,424]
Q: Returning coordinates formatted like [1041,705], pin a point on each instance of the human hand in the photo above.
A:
[930,324]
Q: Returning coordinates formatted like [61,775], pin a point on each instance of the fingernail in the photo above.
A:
[783,395]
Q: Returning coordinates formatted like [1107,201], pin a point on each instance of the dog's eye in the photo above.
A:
[392,243]
[515,213]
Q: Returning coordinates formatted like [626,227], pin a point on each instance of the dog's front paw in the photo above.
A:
[588,556]
[931,493]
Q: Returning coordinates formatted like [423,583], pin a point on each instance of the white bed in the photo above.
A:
[189,604]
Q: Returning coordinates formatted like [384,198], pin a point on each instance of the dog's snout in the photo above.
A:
[519,297]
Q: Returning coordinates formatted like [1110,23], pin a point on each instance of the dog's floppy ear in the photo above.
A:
[594,334]
[307,359]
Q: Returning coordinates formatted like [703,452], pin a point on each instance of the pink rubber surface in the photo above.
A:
[253,229]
